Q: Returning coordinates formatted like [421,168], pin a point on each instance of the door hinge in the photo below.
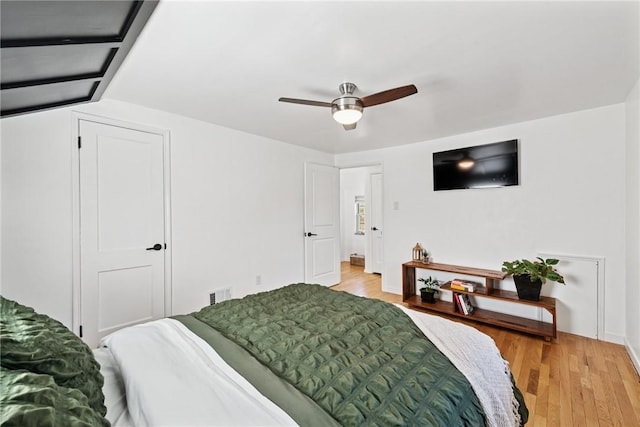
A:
[79,142]
[80,331]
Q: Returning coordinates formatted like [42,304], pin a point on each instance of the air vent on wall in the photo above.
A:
[219,295]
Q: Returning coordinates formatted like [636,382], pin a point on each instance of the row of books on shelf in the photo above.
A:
[463,302]
[464,285]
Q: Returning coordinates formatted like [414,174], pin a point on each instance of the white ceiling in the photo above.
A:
[476,65]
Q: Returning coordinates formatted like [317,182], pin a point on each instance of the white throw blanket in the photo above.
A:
[479,360]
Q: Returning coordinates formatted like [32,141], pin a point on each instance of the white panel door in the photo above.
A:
[375,230]
[322,224]
[122,239]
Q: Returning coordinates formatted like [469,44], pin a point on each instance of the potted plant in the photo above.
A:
[426,256]
[429,291]
[530,275]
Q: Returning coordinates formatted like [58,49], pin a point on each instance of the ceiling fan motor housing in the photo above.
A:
[347,88]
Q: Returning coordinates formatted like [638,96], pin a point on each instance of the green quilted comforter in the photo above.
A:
[362,361]
[48,376]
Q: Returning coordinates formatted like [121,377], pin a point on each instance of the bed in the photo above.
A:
[299,355]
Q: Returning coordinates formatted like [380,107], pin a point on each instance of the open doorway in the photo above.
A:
[361,233]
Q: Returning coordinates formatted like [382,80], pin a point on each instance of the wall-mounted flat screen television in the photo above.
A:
[481,166]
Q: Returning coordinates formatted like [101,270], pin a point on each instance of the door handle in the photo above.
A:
[155,247]
[310,234]
[374,228]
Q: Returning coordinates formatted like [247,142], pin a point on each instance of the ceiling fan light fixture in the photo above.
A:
[346,110]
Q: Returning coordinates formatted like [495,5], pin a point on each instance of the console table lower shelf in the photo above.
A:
[534,327]
[547,330]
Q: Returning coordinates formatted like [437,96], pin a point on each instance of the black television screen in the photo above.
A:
[482,166]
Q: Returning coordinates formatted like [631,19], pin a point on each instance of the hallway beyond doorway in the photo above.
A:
[354,280]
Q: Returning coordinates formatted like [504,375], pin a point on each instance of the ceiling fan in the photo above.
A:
[347,108]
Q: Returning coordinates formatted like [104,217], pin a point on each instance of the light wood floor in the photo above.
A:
[571,381]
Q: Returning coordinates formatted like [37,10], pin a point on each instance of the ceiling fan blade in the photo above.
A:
[305,102]
[388,95]
[350,127]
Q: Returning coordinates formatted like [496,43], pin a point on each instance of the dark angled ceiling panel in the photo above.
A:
[33,98]
[57,53]
[29,20]
[40,63]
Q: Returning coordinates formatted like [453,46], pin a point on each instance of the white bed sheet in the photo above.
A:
[188,385]
[115,397]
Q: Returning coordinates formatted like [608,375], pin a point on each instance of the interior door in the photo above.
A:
[122,240]
[376,223]
[322,224]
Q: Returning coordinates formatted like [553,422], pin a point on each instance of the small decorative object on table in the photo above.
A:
[417,252]
[464,285]
[426,258]
[429,291]
[530,275]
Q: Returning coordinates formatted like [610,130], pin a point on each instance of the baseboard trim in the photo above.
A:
[613,338]
[635,357]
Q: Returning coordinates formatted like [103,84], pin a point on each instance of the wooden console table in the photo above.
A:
[535,327]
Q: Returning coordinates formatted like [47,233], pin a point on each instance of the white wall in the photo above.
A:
[570,200]
[0,215]
[36,211]
[237,204]
[236,197]
[633,225]
[352,184]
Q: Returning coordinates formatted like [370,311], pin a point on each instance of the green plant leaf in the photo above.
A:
[540,269]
